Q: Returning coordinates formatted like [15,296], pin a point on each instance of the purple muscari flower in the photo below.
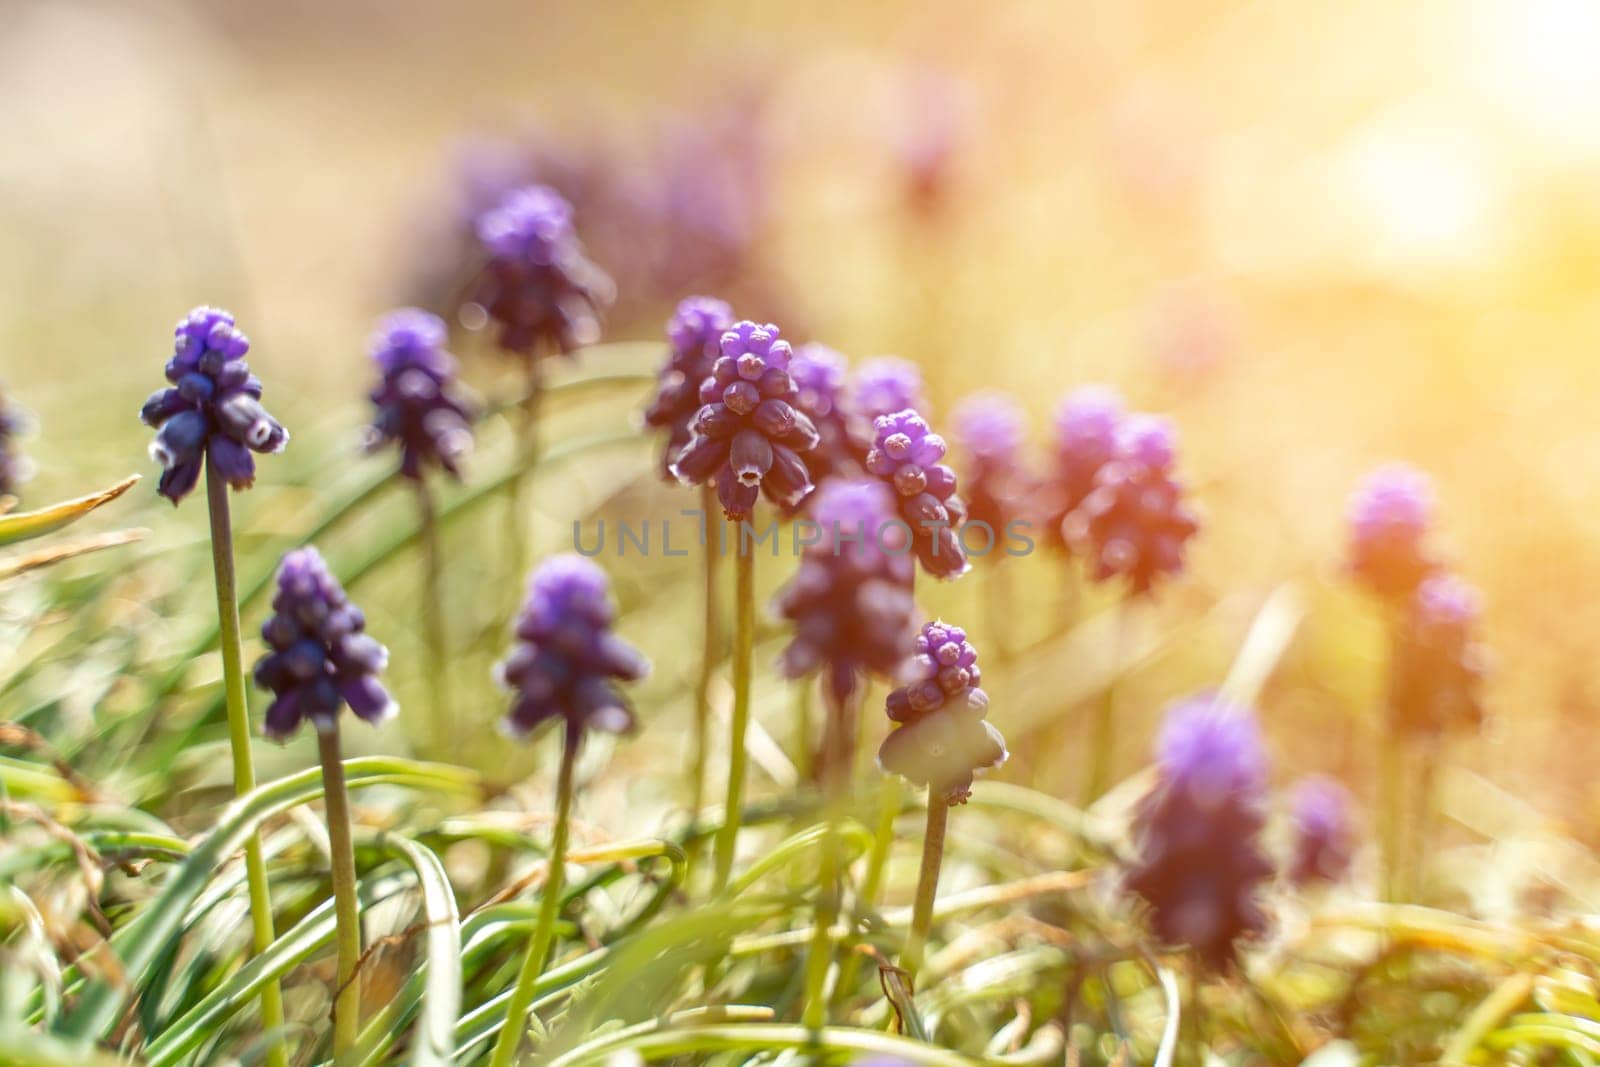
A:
[885,385]
[538,284]
[1197,833]
[213,408]
[1324,839]
[989,428]
[819,375]
[695,335]
[906,454]
[943,736]
[850,598]
[1389,515]
[15,468]
[320,659]
[416,401]
[566,661]
[747,435]
[1439,664]
[1086,424]
[1134,522]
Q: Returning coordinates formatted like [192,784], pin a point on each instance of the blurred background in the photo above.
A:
[1320,237]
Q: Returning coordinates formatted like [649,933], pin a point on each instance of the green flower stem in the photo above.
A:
[710,646]
[527,458]
[346,910]
[804,764]
[743,652]
[927,885]
[434,621]
[244,772]
[838,752]
[505,1047]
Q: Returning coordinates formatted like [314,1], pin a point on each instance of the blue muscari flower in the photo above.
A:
[212,409]
[1197,833]
[909,457]
[1324,838]
[320,658]
[416,401]
[15,468]
[566,661]
[747,437]
[694,336]
[943,736]
[538,285]
[850,598]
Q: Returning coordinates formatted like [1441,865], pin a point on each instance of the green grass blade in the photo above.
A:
[163,918]
[23,525]
[435,1039]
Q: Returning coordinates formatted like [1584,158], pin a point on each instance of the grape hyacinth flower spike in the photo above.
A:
[546,297]
[989,430]
[694,336]
[418,409]
[885,385]
[746,439]
[1324,837]
[942,739]
[565,665]
[211,414]
[1440,664]
[1135,523]
[851,603]
[15,468]
[1086,424]
[1200,864]
[819,375]
[321,660]
[538,286]
[211,417]
[908,456]
[1389,516]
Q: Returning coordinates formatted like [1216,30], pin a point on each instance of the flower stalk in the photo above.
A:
[838,763]
[927,885]
[711,640]
[244,774]
[744,628]
[510,1038]
[434,627]
[346,910]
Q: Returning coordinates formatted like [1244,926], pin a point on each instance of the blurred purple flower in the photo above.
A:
[819,375]
[850,599]
[1135,523]
[15,468]
[1197,833]
[695,335]
[1086,424]
[1389,516]
[943,736]
[1439,665]
[747,436]
[213,408]
[885,385]
[415,398]
[907,455]
[566,661]
[1324,838]
[320,659]
[538,284]
[929,132]
[989,427]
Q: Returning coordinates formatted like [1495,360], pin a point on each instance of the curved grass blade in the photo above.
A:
[23,525]
[307,937]
[162,919]
[434,1042]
